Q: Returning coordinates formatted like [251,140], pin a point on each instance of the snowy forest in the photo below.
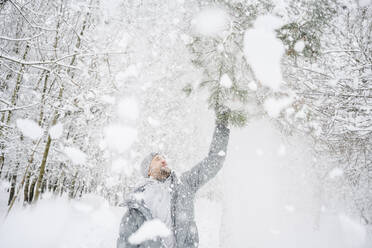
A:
[89,87]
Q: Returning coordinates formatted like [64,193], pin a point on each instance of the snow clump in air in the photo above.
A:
[149,230]
[56,131]
[364,3]
[336,172]
[29,128]
[75,155]
[128,109]
[211,22]
[119,138]
[274,106]
[282,150]
[221,153]
[226,81]
[299,46]
[252,86]
[263,51]
[153,122]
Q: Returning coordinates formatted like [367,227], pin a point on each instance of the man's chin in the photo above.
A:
[165,172]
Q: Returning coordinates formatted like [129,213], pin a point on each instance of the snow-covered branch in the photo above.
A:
[20,39]
[55,61]
[36,26]
[19,107]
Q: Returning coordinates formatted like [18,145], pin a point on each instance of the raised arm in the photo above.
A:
[206,169]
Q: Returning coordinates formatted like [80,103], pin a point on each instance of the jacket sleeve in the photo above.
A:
[210,165]
[130,223]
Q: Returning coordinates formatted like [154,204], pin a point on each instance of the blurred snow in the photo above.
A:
[29,128]
[119,165]
[356,233]
[263,51]
[335,172]
[299,46]
[282,150]
[252,85]
[226,81]
[111,8]
[211,21]
[289,208]
[267,202]
[221,153]
[128,109]
[119,138]
[56,131]
[186,39]
[75,155]
[112,181]
[108,99]
[274,106]
[130,71]
[208,215]
[364,3]
[153,122]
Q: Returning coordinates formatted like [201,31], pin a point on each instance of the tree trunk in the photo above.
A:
[42,169]
[60,181]
[2,158]
[82,190]
[32,190]
[13,185]
[26,188]
[55,185]
[63,186]
[41,116]
[43,185]
[72,188]
[18,85]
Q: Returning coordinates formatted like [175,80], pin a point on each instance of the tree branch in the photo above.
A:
[18,108]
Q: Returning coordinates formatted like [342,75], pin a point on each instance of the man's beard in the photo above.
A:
[165,172]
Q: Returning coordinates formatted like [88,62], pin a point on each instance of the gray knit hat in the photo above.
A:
[144,167]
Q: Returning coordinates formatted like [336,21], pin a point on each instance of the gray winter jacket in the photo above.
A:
[184,188]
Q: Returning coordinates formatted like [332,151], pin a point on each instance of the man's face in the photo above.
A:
[159,168]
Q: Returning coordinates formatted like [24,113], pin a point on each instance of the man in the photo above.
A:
[170,198]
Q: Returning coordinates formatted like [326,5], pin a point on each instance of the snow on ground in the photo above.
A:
[86,223]
[263,51]
[60,223]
